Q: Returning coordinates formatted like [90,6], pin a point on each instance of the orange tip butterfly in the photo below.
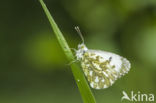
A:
[101,68]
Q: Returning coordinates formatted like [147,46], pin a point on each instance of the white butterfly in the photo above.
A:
[101,68]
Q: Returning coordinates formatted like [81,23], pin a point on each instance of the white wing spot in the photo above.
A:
[91,73]
[105,86]
[105,74]
[96,79]
[92,84]
[102,80]
[111,81]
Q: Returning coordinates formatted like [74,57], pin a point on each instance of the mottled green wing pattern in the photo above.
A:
[101,68]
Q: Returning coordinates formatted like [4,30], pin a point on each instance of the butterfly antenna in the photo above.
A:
[80,34]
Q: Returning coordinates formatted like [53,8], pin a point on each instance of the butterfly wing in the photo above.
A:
[102,68]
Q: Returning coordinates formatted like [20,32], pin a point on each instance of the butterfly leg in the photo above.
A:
[72,62]
[73,49]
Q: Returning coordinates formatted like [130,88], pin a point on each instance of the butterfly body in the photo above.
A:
[101,68]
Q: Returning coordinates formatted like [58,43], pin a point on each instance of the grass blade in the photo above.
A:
[82,84]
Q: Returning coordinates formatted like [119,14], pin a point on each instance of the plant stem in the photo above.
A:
[82,84]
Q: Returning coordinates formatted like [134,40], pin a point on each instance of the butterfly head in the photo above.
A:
[81,50]
[81,47]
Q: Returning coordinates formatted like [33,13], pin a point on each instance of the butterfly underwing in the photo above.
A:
[101,68]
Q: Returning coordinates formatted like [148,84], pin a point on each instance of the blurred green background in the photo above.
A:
[33,68]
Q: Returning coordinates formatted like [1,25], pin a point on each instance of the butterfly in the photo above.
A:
[101,68]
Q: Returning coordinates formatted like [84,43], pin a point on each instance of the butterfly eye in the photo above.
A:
[84,52]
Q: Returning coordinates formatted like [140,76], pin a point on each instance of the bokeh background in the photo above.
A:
[33,68]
